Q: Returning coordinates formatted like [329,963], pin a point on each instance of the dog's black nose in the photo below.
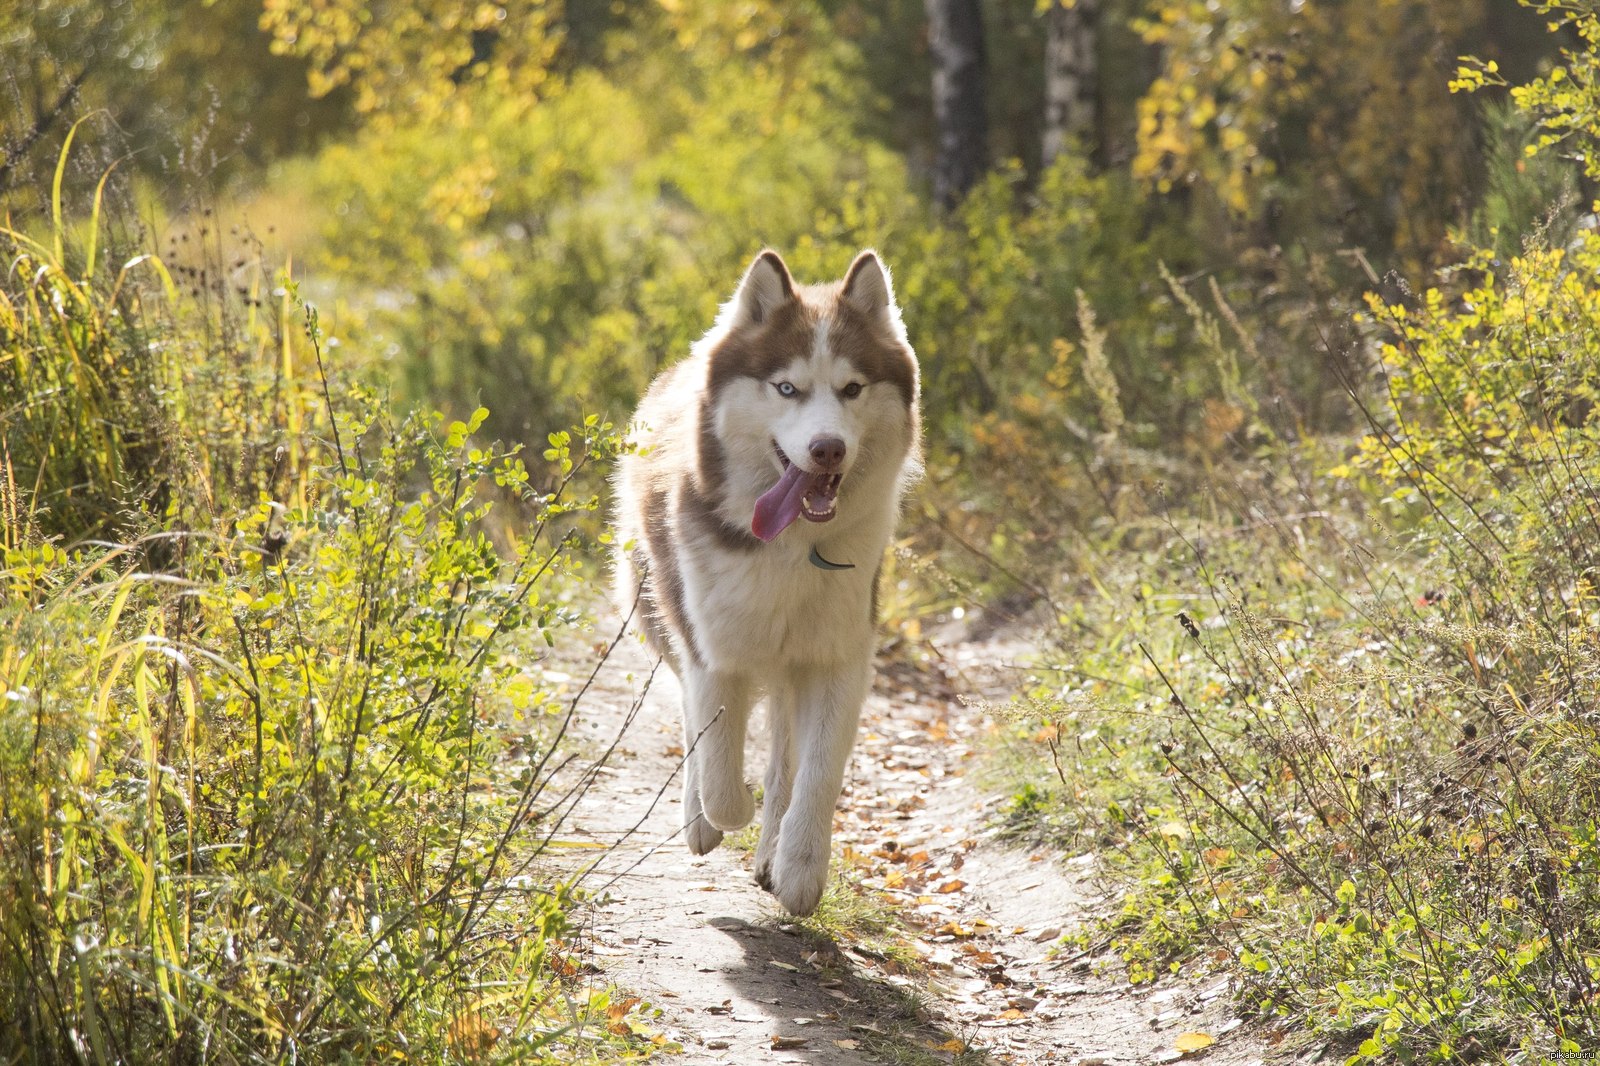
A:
[827,452]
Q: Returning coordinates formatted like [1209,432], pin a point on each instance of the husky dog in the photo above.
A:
[800,403]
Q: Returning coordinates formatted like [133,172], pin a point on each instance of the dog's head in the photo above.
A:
[813,391]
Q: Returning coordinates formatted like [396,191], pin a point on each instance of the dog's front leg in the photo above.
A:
[716,707]
[700,835]
[779,782]
[826,713]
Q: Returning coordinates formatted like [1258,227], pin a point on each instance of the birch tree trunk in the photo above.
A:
[1071,75]
[955,40]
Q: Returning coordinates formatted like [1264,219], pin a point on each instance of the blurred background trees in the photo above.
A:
[544,200]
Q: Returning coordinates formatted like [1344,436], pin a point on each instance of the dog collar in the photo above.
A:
[822,564]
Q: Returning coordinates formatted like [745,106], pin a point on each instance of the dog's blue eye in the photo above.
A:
[852,390]
[786,389]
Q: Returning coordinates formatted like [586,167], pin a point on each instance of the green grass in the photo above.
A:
[852,913]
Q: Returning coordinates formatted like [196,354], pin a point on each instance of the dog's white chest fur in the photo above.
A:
[762,614]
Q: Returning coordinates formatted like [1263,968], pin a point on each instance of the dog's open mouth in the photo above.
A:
[798,493]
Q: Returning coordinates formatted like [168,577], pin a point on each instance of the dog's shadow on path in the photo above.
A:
[811,989]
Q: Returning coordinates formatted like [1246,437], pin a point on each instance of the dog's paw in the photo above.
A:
[701,836]
[728,807]
[766,854]
[798,882]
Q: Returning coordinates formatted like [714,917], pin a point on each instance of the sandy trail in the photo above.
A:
[738,982]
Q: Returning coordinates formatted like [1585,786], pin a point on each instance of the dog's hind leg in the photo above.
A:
[827,711]
[779,782]
[716,708]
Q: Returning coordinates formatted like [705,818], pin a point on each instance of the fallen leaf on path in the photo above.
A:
[472,1035]
[952,886]
[1187,1042]
[789,1043]
[619,1010]
[847,1045]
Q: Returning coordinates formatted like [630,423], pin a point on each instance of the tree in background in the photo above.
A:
[193,92]
[955,39]
[1071,76]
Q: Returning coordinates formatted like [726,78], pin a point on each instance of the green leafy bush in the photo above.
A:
[275,767]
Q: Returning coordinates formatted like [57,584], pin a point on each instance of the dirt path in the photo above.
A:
[965,972]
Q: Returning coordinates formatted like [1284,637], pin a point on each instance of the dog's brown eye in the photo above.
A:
[852,390]
[786,389]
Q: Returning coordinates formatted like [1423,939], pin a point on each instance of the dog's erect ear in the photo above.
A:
[866,285]
[766,287]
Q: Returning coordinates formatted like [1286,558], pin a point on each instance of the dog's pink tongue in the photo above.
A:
[779,505]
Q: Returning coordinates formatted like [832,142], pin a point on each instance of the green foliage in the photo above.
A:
[1285,119]
[573,248]
[274,770]
[1353,761]
[413,55]
[1565,101]
[70,370]
[192,93]
[137,393]
[1333,716]
[1358,772]
[1524,195]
